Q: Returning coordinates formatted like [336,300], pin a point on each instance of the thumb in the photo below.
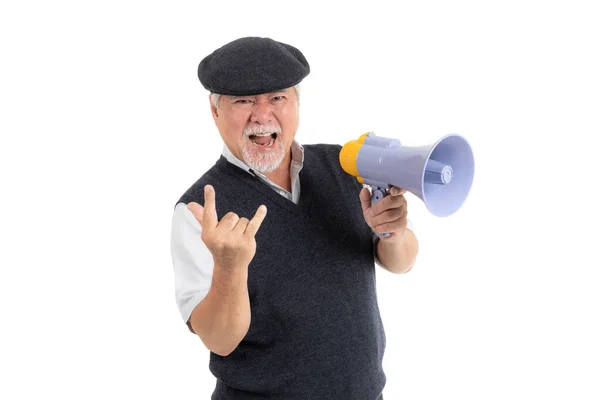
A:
[197,210]
[365,199]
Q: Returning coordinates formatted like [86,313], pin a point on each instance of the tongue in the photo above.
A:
[262,140]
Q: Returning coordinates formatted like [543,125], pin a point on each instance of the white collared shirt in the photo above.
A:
[295,168]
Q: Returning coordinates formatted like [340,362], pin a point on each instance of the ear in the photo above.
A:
[214,110]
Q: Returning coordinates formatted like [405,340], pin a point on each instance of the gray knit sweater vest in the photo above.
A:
[315,331]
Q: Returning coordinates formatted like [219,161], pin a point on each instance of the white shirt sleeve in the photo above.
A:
[192,261]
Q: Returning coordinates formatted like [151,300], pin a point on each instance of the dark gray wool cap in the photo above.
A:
[252,65]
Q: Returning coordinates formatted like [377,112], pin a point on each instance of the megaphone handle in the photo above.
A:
[377,194]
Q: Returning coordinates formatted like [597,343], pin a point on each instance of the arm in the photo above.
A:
[222,318]
[396,253]
[206,295]
[400,256]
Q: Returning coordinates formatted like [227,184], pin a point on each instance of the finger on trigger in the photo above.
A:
[396,191]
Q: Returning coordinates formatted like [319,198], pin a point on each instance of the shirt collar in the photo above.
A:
[297,159]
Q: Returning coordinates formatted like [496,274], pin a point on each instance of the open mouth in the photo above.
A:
[263,139]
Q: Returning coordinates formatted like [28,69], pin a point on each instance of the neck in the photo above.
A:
[281,175]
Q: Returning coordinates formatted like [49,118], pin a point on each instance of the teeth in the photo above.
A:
[268,145]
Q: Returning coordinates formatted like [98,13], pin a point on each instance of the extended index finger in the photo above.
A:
[210,218]
[256,221]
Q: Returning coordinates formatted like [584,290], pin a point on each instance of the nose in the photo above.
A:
[261,112]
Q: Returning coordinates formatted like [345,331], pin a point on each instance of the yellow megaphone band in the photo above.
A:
[348,156]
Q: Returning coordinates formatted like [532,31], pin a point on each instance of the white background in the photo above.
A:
[104,125]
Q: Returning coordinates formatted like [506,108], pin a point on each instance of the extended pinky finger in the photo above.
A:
[253,225]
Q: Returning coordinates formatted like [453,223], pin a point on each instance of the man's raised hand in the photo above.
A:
[231,241]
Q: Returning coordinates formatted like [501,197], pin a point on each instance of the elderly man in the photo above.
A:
[274,247]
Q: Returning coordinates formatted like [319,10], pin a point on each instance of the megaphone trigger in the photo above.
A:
[378,192]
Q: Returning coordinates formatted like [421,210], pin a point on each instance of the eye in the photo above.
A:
[278,98]
[242,101]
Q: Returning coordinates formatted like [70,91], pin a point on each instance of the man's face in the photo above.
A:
[259,129]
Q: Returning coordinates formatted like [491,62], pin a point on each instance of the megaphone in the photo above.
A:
[441,175]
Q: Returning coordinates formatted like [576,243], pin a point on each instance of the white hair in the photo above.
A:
[214,97]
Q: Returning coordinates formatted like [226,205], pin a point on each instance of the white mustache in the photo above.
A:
[262,129]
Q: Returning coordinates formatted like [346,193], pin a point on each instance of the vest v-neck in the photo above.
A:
[252,181]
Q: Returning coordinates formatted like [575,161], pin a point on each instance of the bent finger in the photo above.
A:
[389,203]
[392,226]
[389,216]
[229,221]
[241,225]
[396,191]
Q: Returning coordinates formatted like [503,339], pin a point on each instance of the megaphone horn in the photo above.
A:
[441,175]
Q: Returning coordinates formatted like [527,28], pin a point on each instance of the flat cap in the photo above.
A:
[252,65]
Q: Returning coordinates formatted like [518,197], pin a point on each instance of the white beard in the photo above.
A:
[260,161]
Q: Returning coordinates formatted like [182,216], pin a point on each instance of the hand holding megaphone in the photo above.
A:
[441,175]
[388,216]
